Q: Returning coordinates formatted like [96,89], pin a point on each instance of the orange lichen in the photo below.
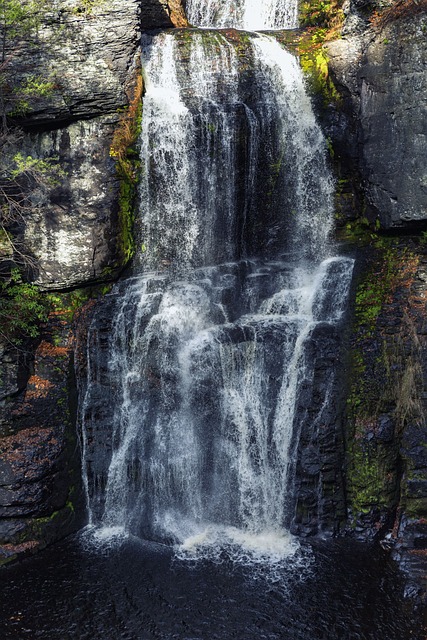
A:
[47,349]
[20,548]
[177,14]
[38,387]
[15,448]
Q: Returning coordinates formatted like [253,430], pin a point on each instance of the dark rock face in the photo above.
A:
[383,72]
[40,493]
[386,466]
[73,237]
[73,232]
[319,483]
[380,73]
[393,119]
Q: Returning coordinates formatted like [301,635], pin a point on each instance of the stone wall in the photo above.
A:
[386,428]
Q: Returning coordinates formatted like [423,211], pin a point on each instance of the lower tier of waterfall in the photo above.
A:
[198,388]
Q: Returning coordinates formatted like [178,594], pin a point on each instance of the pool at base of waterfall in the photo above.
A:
[136,590]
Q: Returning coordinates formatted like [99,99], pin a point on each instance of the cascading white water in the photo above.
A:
[189,206]
[199,126]
[251,15]
[206,362]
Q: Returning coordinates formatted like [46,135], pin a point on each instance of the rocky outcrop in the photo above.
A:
[73,233]
[379,131]
[386,430]
[86,57]
[89,54]
[40,494]
[381,73]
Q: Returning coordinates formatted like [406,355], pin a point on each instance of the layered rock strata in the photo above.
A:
[381,73]
[89,55]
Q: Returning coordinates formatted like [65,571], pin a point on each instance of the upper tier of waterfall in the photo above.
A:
[234,163]
[251,15]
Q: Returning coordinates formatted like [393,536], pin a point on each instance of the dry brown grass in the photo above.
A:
[400,9]
[127,129]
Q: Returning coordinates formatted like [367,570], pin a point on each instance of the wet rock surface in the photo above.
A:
[319,483]
[40,494]
[89,55]
[381,73]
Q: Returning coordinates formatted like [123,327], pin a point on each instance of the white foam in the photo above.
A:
[252,547]
[102,538]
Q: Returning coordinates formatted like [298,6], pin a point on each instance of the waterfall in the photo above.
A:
[211,147]
[198,367]
[252,15]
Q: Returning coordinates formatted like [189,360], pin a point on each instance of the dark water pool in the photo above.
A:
[139,592]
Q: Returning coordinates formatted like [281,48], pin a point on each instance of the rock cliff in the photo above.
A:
[89,54]
[381,71]
[379,133]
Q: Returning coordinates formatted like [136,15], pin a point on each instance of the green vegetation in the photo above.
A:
[325,14]
[44,171]
[385,374]
[33,87]
[366,480]
[123,150]
[314,63]
[70,303]
[22,305]
[87,6]
[22,308]
[322,21]
[22,180]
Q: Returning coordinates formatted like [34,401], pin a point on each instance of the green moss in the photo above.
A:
[326,14]
[42,528]
[383,379]
[366,480]
[314,63]
[416,508]
[128,166]
[322,21]
[8,560]
[127,195]
[86,7]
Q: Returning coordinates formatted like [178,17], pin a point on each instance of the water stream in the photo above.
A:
[252,15]
[213,345]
